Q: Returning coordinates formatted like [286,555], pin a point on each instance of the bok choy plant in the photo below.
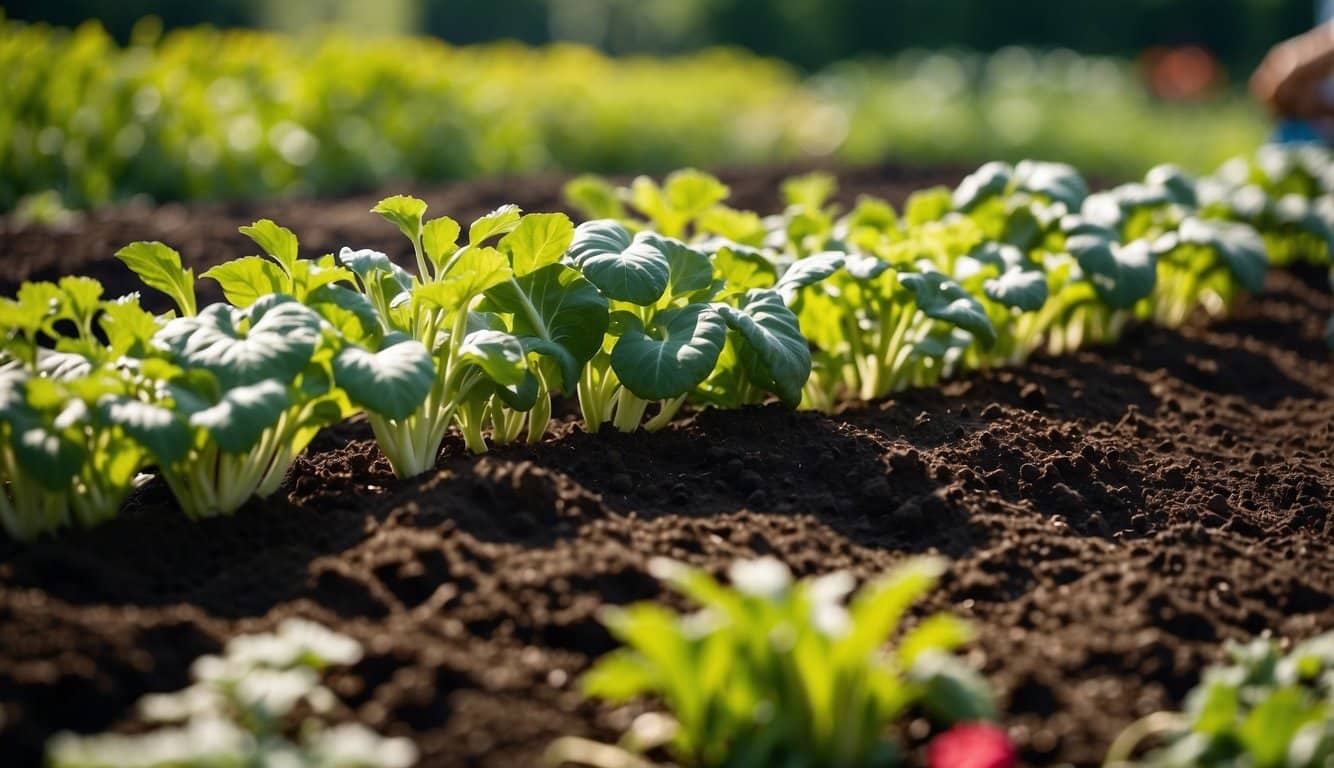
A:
[772,671]
[505,325]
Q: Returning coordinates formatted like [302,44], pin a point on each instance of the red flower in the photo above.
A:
[972,745]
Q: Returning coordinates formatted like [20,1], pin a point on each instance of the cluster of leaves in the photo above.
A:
[1262,708]
[776,672]
[259,703]
[1286,193]
[1018,257]
[208,114]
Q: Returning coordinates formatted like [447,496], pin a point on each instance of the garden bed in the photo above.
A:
[1113,516]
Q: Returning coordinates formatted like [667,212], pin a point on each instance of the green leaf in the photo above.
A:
[983,184]
[81,297]
[620,676]
[1238,245]
[927,205]
[954,693]
[809,271]
[744,268]
[1058,182]
[348,311]
[1020,288]
[128,327]
[440,240]
[940,298]
[624,268]
[278,242]
[498,222]
[278,344]
[811,190]
[1121,275]
[476,271]
[594,197]
[239,418]
[689,192]
[166,436]
[392,382]
[688,270]
[678,352]
[775,354]
[497,353]
[160,268]
[539,239]
[1269,728]
[1178,184]
[246,279]
[558,306]
[403,212]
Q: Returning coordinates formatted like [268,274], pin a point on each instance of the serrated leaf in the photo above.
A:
[476,271]
[774,352]
[159,430]
[80,297]
[677,353]
[278,242]
[689,191]
[128,327]
[440,240]
[623,267]
[392,381]
[280,340]
[539,239]
[940,298]
[594,197]
[497,353]
[498,222]
[246,279]
[240,417]
[404,212]
[160,268]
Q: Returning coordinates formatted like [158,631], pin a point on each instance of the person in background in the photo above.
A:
[1294,81]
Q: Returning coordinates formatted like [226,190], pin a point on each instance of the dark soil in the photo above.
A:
[1113,517]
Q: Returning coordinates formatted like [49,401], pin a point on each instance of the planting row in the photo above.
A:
[768,671]
[667,296]
[207,114]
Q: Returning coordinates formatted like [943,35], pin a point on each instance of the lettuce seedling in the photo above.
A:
[1021,205]
[775,672]
[1261,709]
[670,209]
[1284,193]
[505,325]
[260,703]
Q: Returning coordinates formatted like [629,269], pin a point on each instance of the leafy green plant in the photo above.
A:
[506,325]
[260,703]
[1262,708]
[776,672]
[1284,193]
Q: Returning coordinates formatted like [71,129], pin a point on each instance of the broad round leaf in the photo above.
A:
[1238,245]
[981,185]
[162,432]
[678,352]
[688,270]
[774,353]
[497,353]
[624,268]
[280,341]
[809,271]
[558,306]
[940,298]
[1122,275]
[392,382]
[1021,288]
[237,421]
[1055,181]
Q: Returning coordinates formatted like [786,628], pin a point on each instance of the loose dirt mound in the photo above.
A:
[1113,516]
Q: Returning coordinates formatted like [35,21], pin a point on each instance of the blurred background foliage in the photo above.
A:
[808,33]
[326,96]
